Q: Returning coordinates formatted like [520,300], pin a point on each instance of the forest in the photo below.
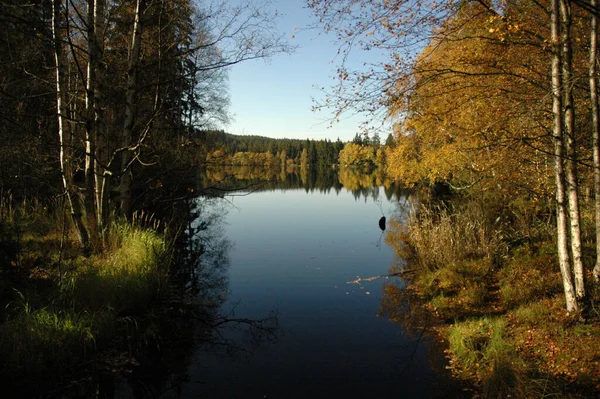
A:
[220,148]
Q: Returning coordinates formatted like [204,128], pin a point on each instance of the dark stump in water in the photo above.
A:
[382,223]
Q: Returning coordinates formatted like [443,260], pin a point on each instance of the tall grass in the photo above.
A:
[51,339]
[480,347]
[93,294]
[131,272]
[441,237]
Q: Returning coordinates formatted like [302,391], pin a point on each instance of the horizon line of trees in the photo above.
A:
[220,147]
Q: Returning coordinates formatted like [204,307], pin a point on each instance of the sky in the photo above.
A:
[273,98]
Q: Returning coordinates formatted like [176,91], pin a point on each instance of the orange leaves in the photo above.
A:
[470,99]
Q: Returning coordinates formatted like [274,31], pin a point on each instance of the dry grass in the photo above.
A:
[440,237]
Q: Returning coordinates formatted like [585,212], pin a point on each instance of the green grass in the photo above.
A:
[125,278]
[480,347]
[51,340]
[83,302]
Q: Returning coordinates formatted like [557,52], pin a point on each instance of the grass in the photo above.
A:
[441,237]
[69,307]
[498,291]
[528,278]
[51,340]
[126,278]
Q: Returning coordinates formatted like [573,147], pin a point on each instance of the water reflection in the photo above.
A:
[363,183]
[288,292]
[402,306]
[302,242]
[190,319]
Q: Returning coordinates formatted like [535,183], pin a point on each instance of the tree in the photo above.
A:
[558,135]
[27,113]
[593,79]
[166,80]
[394,29]
[64,126]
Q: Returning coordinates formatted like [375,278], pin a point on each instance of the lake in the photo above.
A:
[293,256]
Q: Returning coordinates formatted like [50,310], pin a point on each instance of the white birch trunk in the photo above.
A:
[63,130]
[561,208]
[101,152]
[571,164]
[90,122]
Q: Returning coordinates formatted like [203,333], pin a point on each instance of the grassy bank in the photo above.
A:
[494,285]
[61,309]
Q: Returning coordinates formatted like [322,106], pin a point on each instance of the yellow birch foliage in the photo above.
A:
[476,108]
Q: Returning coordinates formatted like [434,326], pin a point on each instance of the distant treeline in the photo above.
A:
[225,148]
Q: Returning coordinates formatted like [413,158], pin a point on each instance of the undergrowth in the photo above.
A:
[68,307]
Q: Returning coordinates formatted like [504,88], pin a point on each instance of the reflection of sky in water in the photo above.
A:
[295,251]
[299,246]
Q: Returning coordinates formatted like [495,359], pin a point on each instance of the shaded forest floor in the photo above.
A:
[66,317]
[499,308]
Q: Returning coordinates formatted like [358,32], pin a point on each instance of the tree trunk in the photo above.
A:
[132,72]
[571,164]
[101,152]
[90,122]
[595,130]
[71,190]
[561,208]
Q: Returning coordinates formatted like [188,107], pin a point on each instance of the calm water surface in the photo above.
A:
[294,252]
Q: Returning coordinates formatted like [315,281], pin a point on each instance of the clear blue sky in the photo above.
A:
[273,98]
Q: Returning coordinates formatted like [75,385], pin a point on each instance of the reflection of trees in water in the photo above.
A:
[204,254]
[207,273]
[188,317]
[227,178]
[363,183]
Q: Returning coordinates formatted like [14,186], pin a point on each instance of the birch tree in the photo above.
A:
[130,109]
[558,137]
[571,164]
[64,129]
[593,79]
